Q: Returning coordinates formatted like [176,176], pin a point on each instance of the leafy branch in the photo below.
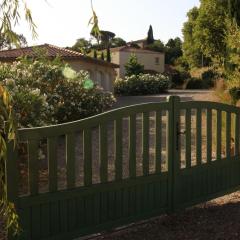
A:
[8,130]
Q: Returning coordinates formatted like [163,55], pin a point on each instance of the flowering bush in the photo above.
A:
[49,92]
[142,84]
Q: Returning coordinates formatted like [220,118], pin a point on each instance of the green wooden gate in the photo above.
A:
[122,166]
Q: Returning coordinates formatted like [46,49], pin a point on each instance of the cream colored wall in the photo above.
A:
[115,58]
[102,75]
[147,59]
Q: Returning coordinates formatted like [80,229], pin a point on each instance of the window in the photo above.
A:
[157,60]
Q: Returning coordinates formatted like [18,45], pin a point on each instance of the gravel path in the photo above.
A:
[216,220]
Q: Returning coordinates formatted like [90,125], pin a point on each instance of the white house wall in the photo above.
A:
[148,59]
[102,75]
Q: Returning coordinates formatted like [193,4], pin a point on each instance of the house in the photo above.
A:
[101,72]
[153,61]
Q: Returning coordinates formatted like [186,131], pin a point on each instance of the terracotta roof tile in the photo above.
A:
[131,49]
[52,52]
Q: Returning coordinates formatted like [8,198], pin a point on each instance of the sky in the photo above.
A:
[61,22]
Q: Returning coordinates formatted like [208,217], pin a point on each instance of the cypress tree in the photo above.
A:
[102,56]
[150,38]
[108,55]
[95,53]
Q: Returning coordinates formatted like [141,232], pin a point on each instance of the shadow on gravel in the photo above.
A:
[216,220]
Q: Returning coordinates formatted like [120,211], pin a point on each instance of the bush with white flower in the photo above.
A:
[142,84]
[49,92]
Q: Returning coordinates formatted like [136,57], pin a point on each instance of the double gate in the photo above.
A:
[122,166]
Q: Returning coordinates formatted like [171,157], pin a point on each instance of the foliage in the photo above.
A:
[157,46]
[205,34]
[106,38]
[233,60]
[10,16]
[46,92]
[235,94]
[5,43]
[194,83]
[210,30]
[150,38]
[108,55]
[102,56]
[118,42]
[191,52]
[82,45]
[209,77]
[178,76]
[8,134]
[134,45]
[133,67]
[234,10]
[173,50]
[142,84]
[95,53]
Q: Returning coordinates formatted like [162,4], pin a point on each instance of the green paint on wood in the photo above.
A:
[77,211]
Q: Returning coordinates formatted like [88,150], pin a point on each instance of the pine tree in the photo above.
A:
[133,67]
[150,38]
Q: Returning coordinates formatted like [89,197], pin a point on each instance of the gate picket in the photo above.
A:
[145,143]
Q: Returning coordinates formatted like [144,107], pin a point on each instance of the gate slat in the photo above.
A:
[33,166]
[118,149]
[219,134]
[209,135]
[188,137]
[103,143]
[158,141]
[199,136]
[52,163]
[132,146]
[236,147]
[145,142]
[228,134]
[87,153]
[70,158]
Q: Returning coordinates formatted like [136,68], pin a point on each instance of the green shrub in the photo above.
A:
[209,78]
[49,92]
[195,83]
[133,67]
[235,94]
[179,77]
[142,84]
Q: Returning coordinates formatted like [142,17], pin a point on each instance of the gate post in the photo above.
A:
[172,145]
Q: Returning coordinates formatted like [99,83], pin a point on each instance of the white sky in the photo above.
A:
[61,22]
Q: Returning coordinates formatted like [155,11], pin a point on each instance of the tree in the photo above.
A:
[118,42]
[6,43]
[95,53]
[133,67]
[150,38]
[173,50]
[157,46]
[108,55]
[191,52]
[102,56]
[210,30]
[234,10]
[10,13]
[83,46]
